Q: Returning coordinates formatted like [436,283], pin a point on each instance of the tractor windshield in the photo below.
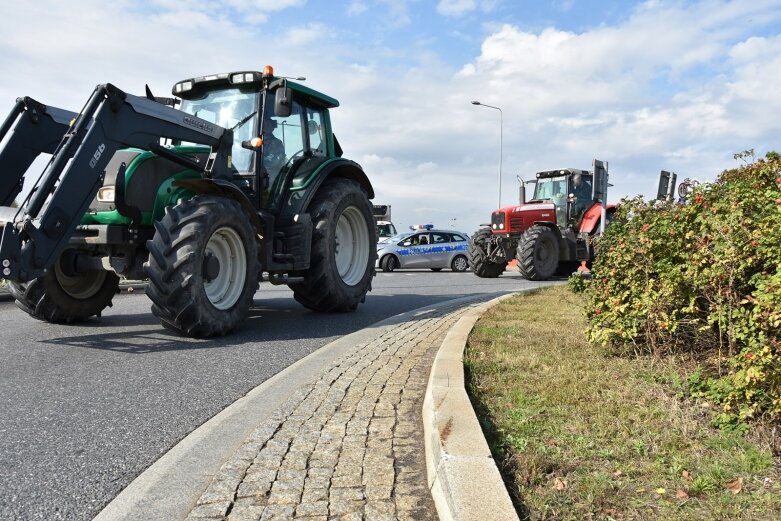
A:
[229,108]
[553,189]
[550,188]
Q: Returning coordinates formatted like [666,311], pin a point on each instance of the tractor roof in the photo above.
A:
[562,172]
[192,87]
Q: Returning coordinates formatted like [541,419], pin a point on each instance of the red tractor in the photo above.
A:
[550,233]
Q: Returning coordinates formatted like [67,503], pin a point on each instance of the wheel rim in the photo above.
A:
[81,286]
[459,264]
[228,249]
[352,246]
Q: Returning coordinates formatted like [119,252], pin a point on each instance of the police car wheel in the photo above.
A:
[390,263]
[459,264]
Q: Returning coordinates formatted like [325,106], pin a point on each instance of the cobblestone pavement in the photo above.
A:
[350,446]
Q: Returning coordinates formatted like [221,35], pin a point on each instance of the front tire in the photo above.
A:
[343,249]
[478,256]
[389,263]
[202,267]
[538,253]
[64,297]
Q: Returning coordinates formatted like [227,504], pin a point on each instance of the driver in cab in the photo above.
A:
[273,148]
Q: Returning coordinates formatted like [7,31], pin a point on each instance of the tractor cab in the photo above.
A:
[570,190]
[279,126]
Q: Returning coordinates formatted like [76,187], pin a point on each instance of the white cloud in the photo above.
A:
[259,5]
[455,7]
[563,5]
[398,12]
[356,8]
[300,36]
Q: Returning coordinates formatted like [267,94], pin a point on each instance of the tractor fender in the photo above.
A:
[225,189]
[548,224]
[563,243]
[337,167]
[592,216]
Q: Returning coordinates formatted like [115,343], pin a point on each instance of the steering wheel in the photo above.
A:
[291,159]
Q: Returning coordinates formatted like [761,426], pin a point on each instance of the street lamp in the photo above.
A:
[500,145]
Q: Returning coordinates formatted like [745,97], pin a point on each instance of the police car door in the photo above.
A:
[417,256]
[440,250]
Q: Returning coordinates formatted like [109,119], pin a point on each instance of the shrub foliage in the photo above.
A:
[702,277]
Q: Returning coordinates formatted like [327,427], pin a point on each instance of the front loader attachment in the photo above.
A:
[33,236]
[36,129]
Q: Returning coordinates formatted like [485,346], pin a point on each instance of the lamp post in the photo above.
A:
[500,145]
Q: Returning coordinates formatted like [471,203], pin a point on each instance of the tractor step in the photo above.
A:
[280,279]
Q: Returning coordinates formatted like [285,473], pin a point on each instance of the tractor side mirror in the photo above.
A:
[283,102]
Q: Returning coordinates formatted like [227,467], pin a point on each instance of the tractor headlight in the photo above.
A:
[106,194]
[242,77]
[183,87]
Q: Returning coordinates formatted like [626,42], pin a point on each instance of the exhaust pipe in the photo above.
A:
[521,191]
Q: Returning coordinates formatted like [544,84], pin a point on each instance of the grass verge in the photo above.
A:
[580,434]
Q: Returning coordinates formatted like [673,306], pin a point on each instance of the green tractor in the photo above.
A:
[238,176]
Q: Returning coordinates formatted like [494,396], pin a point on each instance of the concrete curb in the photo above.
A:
[462,475]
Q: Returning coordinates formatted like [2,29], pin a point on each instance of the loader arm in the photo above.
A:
[36,129]
[34,235]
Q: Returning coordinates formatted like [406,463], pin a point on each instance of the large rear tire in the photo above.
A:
[538,253]
[343,249]
[477,253]
[64,297]
[203,266]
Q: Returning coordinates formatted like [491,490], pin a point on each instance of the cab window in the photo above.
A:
[314,121]
[550,188]
[228,108]
[439,238]
[290,131]
[583,197]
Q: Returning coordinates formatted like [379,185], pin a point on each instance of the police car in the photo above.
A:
[424,247]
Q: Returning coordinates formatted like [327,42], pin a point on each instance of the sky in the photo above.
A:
[646,86]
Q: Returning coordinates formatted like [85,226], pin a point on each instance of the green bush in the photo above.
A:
[700,277]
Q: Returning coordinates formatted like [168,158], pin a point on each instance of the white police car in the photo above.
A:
[424,247]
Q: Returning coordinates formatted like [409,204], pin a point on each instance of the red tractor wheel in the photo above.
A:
[478,259]
[538,253]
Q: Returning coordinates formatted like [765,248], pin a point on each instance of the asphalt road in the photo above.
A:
[88,407]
